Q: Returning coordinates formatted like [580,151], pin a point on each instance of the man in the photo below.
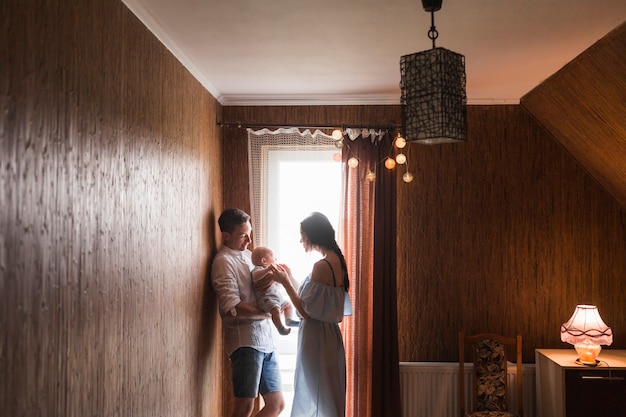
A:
[247,330]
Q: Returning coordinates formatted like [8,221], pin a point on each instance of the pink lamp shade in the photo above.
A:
[586,331]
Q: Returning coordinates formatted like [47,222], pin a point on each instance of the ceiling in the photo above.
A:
[343,52]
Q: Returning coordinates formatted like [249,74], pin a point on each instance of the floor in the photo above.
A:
[286,346]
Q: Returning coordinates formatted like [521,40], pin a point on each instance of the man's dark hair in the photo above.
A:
[231,218]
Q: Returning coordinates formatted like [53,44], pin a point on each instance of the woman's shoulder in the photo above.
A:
[321,265]
[325,270]
[321,272]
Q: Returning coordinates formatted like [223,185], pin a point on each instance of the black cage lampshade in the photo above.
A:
[433,93]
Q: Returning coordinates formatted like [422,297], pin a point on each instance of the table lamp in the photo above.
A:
[586,331]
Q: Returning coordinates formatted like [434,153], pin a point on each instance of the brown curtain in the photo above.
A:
[370,334]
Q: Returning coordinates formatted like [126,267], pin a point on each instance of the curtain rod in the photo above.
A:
[238,124]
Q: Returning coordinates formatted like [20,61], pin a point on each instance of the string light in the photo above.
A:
[400,142]
[353,162]
[390,163]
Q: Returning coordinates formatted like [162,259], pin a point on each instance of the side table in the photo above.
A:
[567,389]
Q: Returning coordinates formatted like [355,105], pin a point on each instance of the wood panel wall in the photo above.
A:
[110,181]
[504,233]
[590,120]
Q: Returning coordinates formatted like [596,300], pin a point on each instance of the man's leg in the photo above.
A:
[271,387]
[246,365]
[243,407]
[274,404]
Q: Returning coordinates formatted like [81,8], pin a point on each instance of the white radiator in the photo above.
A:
[430,389]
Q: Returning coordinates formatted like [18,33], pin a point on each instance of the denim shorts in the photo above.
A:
[254,372]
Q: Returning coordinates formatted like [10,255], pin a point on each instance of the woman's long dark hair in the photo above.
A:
[320,232]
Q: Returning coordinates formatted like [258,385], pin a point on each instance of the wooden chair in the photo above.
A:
[490,382]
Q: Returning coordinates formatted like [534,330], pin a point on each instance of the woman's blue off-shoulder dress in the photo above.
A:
[320,375]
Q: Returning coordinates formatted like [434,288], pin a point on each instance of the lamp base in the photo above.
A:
[590,364]
[587,352]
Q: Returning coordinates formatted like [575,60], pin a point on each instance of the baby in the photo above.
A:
[271,300]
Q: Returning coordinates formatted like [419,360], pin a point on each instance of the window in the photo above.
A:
[291,177]
[295,188]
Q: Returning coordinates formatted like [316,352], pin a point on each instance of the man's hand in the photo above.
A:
[248,312]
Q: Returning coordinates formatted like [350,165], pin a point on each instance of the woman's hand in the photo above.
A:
[281,274]
[284,267]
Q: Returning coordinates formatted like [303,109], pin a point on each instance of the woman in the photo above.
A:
[320,376]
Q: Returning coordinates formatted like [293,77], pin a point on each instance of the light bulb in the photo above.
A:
[407,177]
[400,142]
[339,143]
[370,176]
[337,134]
[337,157]
[401,158]
[390,163]
[353,162]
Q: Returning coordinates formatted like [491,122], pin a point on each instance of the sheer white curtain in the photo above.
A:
[266,149]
